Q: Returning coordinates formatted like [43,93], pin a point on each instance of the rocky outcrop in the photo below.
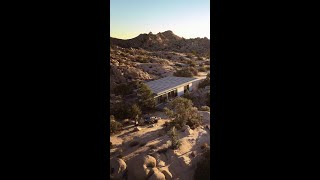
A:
[157,175]
[167,174]
[165,41]
[117,168]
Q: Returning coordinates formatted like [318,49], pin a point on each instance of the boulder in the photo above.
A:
[157,175]
[117,168]
[167,174]
[149,161]
[141,168]
[137,129]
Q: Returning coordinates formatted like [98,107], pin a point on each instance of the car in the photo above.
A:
[152,119]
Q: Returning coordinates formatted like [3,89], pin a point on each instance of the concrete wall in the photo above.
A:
[180,90]
[190,87]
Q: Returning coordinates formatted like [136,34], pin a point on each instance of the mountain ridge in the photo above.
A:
[165,41]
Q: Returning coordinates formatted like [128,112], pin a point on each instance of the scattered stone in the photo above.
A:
[137,129]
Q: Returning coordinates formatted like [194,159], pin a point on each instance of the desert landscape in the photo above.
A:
[159,140]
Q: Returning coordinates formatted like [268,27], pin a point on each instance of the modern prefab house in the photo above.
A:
[168,88]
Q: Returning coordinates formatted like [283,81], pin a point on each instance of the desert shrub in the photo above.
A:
[142,59]
[186,72]
[183,73]
[207,68]
[122,89]
[191,63]
[135,112]
[205,108]
[114,125]
[125,122]
[205,82]
[120,109]
[202,69]
[202,171]
[189,55]
[175,142]
[187,95]
[182,112]
[194,71]
[133,143]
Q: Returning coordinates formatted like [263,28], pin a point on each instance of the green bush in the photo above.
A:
[186,72]
[114,125]
[202,69]
[142,59]
[182,112]
[175,142]
[205,108]
[191,63]
[205,82]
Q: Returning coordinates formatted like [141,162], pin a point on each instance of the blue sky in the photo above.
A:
[186,18]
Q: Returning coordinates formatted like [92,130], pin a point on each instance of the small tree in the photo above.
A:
[114,125]
[135,112]
[182,112]
[145,97]
[175,142]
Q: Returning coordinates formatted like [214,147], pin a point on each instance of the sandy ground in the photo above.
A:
[179,162]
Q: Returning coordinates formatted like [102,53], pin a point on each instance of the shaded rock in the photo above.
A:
[167,174]
[157,175]
[117,168]
[149,161]
[137,129]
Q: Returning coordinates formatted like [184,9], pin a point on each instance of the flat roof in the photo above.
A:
[167,83]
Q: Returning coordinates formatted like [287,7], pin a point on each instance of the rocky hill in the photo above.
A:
[165,41]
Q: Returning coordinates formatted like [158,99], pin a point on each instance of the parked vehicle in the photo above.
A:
[151,120]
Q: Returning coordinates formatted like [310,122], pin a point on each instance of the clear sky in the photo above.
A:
[186,18]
